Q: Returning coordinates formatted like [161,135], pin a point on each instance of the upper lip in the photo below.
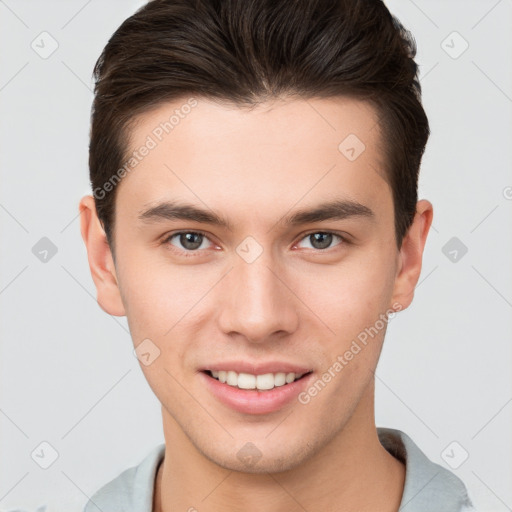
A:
[258,368]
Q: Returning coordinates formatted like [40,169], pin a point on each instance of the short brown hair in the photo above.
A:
[249,51]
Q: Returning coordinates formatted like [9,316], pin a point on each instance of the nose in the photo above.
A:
[257,303]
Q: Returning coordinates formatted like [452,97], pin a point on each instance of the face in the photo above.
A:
[293,261]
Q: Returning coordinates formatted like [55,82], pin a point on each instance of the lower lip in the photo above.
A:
[252,401]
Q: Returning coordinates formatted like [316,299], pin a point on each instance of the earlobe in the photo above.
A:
[100,259]
[411,255]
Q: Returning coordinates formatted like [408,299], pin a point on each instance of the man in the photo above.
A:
[254,167]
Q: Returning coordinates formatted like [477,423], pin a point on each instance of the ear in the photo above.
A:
[411,255]
[100,259]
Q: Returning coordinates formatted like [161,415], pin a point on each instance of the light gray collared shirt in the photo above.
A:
[428,486]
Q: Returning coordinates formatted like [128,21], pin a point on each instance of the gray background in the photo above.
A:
[68,376]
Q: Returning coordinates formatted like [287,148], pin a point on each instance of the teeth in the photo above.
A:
[261,382]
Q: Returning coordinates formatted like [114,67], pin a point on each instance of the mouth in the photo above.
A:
[259,383]
[255,394]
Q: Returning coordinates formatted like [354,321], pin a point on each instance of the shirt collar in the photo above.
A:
[428,486]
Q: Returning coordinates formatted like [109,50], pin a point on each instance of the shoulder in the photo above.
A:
[130,491]
[427,484]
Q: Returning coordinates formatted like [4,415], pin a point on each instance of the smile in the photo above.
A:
[249,381]
[255,394]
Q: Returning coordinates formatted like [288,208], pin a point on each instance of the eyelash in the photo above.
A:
[193,253]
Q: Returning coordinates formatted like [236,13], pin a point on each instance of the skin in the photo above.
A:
[295,302]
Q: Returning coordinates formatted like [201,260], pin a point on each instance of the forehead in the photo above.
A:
[277,153]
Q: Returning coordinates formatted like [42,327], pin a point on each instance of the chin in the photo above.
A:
[250,457]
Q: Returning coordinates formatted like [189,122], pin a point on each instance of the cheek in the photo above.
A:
[163,300]
[161,305]
[350,296]
[166,303]
[151,294]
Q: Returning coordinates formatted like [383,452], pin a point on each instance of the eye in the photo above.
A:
[322,240]
[188,241]
[193,241]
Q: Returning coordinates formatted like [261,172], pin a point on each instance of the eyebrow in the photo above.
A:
[332,210]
